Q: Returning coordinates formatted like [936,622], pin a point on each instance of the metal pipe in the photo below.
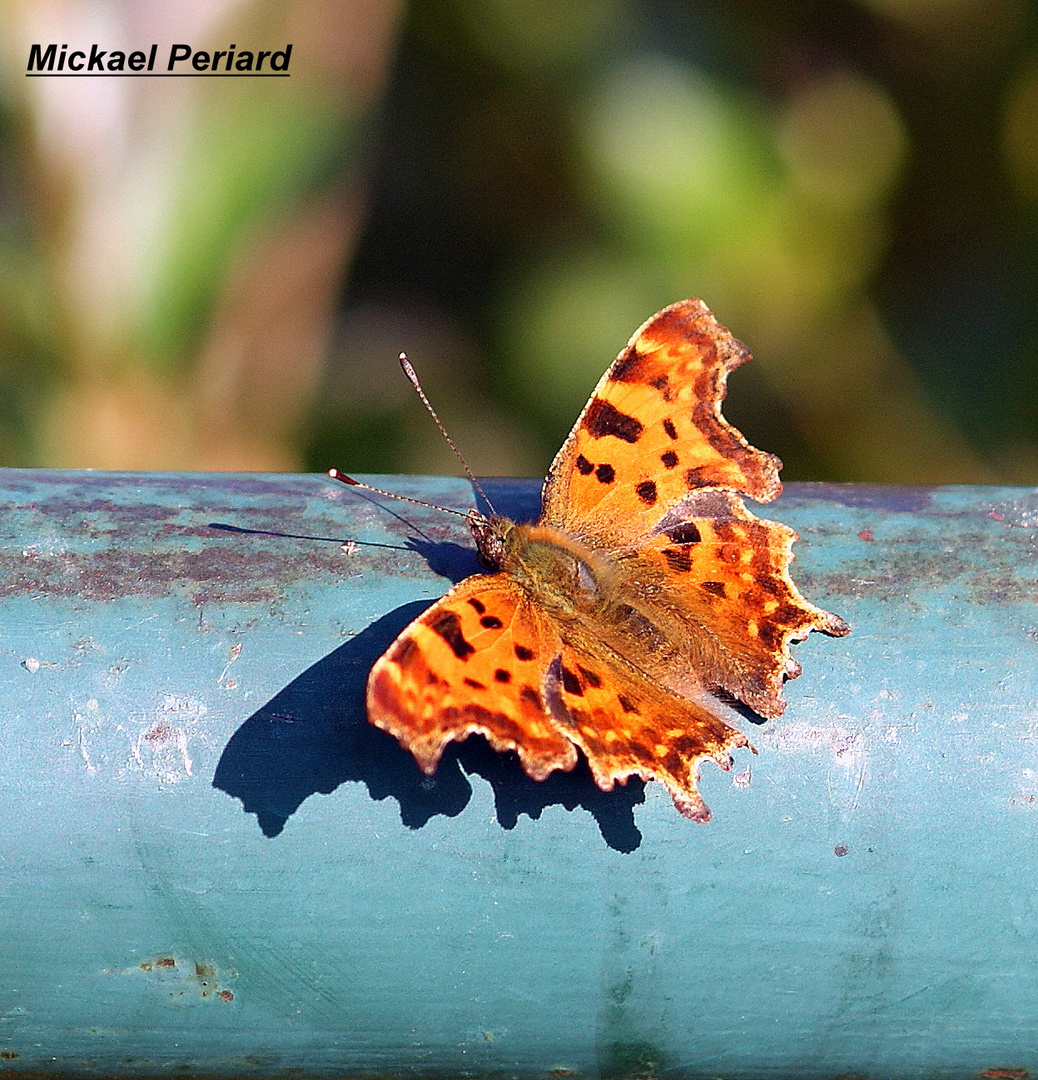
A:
[211,864]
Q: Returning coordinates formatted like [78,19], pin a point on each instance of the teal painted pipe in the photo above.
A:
[211,864]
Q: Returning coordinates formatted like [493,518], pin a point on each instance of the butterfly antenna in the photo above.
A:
[413,379]
[335,474]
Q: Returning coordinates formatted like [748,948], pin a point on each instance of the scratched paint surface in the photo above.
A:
[209,862]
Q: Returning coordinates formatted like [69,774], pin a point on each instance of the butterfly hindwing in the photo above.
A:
[653,431]
[629,726]
[726,598]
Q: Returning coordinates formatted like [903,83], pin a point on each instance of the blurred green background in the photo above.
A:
[219,273]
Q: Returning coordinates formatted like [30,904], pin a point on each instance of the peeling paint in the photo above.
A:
[158,746]
[86,729]
[846,750]
[980,568]
[844,746]
[1016,513]
[161,750]
[234,653]
[162,744]
[906,707]
[1025,795]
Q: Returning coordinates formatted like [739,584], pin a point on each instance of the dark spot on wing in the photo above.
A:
[669,459]
[772,586]
[715,587]
[522,652]
[723,529]
[605,473]
[474,683]
[491,622]
[670,429]
[584,467]
[695,477]
[704,419]
[627,705]
[580,718]
[478,605]
[685,533]
[404,651]
[590,678]
[502,676]
[787,614]
[625,367]
[678,559]
[646,491]
[531,697]
[570,683]
[448,626]
[603,419]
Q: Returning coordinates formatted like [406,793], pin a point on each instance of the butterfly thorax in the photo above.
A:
[553,568]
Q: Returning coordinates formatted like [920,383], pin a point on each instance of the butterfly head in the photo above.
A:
[490,535]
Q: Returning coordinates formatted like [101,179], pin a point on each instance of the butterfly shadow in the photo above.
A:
[314,735]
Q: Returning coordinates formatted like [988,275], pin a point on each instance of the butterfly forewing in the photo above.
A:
[474,662]
[653,431]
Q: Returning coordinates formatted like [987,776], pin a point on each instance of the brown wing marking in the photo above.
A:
[629,726]
[474,662]
[653,431]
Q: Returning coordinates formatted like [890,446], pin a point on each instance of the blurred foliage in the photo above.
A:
[220,274]
[850,186]
[173,248]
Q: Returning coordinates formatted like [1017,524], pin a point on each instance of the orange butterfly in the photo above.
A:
[645,587]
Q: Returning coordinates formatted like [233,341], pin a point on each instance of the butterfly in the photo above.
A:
[644,590]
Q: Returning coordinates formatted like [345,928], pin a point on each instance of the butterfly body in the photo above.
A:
[614,609]
[644,590]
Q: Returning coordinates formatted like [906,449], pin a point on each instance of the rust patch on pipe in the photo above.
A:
[201,977]
[208,543]
[988,565]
